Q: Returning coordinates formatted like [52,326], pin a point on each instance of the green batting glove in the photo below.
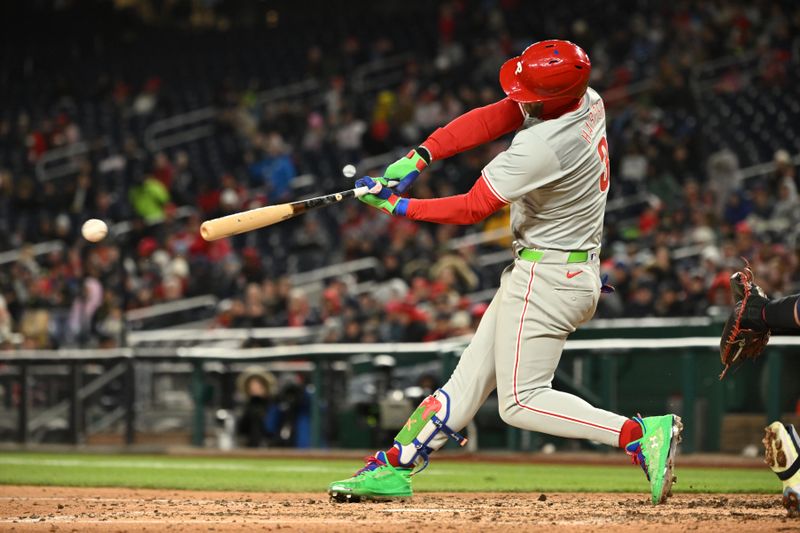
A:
[385,200]
[406,169]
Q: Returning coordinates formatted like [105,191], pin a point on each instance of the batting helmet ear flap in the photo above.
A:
[547,71]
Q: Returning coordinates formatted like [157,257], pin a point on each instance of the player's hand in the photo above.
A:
[405,170]
[605,288]
[381,196]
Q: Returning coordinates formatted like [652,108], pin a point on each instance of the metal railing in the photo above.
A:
[306,88]
[763,169]
[180,129]
[168,308]
[380,73]
[63,161]
[35,250]
[705,75]
[205,335]
[332,271]
[686,350]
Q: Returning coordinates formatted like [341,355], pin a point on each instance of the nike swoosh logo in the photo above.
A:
[571,275]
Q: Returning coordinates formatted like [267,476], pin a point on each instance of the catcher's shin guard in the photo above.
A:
[413,441]
[782,454]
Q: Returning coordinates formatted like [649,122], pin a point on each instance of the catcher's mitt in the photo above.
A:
[746,333]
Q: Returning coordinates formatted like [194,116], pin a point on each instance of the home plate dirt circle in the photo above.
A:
[66,509]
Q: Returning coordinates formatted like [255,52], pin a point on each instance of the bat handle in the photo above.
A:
[358,192]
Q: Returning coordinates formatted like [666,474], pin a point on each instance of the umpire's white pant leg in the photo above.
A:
[474,377]
[537,312]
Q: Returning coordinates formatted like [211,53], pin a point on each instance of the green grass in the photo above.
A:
[300,475]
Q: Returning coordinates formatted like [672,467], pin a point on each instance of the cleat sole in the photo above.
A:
[340,497]
[669,475]
[791,502]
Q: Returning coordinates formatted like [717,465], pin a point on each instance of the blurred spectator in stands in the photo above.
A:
[232,195]
[723,175]
[349,136]
[633,169]
[378,139]
[6,324]
[299,310]
[258,388]
[146,101]
[86,199]
[454,273]
[149,198]
[737,208]
[461,324]
[787,207]
[307,243]
[403,323]
[441,328]
[163,170]
[334,99]
[785,170]
[183,180]
[109,321]
[289,419]
[34,328]
[274,169]
[84,306]
[315,134]
[352,332]
[6,199]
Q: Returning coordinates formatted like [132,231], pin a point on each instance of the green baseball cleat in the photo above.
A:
[655,452]
[377,480]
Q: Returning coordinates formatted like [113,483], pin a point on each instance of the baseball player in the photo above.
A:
[754,318]
[556,177]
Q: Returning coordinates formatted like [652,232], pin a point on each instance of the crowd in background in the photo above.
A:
[668,255]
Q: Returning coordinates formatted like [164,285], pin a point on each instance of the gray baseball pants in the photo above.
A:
[518,345]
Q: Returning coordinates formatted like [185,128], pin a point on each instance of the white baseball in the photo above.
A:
[349,171]
[94,230]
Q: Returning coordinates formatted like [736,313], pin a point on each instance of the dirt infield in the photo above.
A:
[64,509]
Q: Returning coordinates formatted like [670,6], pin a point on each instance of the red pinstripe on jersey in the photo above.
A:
[516,367]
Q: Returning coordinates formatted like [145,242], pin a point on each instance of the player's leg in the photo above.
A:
[782,454]
[438,417]
[532,329]
[540,308]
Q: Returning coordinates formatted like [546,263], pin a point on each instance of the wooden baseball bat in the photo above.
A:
[260,217]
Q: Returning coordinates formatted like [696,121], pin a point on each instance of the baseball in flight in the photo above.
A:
[349,171]
[94,230]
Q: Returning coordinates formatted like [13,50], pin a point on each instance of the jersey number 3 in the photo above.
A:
[602,152]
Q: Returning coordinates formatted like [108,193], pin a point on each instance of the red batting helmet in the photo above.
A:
[555,72]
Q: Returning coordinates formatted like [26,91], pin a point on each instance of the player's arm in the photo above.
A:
[476,127]
[477,204]
[526,165]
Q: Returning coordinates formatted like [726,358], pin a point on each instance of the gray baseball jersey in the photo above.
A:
[555,175]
